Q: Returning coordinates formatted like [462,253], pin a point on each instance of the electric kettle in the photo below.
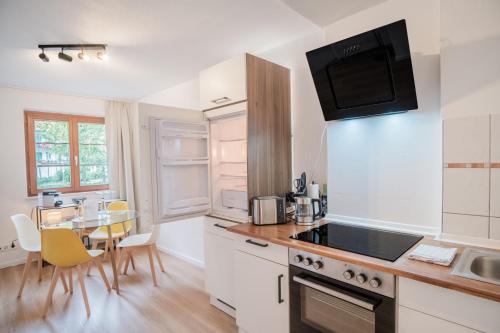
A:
[306,211]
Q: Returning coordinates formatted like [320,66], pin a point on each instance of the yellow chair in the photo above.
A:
[65,250]
[118,231]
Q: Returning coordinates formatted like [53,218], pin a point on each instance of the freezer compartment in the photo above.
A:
[234,199]
[183,148]
[185,189]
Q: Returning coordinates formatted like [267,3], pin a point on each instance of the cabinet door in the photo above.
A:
[219,267]
[411,321]
[223,83]
[261,305]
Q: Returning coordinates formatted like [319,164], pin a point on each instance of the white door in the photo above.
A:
[261,295]
[219,267]
[181,169]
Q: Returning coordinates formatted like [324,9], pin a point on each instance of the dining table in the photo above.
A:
[91,220]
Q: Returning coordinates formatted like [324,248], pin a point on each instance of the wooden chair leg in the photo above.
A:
[106,249]
[152,265]
[158,257]
[121,260]
[70,277]
[94,247]
[53,281]
[63,280]
[25,273]
[132,261]
[101,271]
[40,261]
[84,291]
[127,262]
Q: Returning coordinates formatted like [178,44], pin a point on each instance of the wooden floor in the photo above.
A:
[179,304]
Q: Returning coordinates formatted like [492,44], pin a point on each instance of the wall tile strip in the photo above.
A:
[468,165]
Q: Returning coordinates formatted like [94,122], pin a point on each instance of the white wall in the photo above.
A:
[387,169]
[13,193]
[470,53]
[185,95]
[182,238]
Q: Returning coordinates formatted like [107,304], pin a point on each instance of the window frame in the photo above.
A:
[73,121]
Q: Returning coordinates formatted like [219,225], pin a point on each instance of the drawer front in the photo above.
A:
[262,249]
[411,321]
[219,226]
[467,310]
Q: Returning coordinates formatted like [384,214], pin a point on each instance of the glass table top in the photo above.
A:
[94,220]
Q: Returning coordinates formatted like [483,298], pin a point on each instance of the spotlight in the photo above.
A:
[43,56]
[83,56]
[64,56]
[102,56]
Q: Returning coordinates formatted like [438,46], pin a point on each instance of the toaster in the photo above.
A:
[268,210]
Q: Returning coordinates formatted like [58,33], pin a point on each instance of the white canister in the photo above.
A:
[313,191]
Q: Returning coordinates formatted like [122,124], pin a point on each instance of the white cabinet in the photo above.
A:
[224,83]
[411,321]
[261,295]
[219,264]
[444,310]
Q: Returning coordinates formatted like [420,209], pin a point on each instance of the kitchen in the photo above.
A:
[419,173]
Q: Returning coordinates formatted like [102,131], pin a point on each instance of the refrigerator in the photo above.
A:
[201,167]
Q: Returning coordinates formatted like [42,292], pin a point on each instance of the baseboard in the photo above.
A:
[12,262]
[181,256]
[388,225]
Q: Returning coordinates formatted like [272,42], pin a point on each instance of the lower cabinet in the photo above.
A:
[261,294]
[219,264]
[412,321]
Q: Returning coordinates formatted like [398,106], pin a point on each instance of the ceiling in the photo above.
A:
[325,12]
[153,44]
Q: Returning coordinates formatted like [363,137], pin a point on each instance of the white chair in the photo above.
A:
[29,240]
[141,241]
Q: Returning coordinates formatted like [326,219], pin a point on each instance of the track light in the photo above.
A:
[64,56]
[102,56]
[83,56]
[43,56]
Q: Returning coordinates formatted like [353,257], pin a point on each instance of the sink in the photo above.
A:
[482,265]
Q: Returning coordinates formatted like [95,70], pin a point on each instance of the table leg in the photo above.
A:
[113,261]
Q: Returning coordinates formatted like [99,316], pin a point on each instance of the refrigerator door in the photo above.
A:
[181,169]
[228,149]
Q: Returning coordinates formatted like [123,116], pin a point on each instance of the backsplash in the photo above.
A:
[471,176]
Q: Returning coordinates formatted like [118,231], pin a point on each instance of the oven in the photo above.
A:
[322,303]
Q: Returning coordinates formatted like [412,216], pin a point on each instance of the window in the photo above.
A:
[65,152]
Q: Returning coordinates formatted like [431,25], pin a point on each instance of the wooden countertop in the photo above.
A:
[416,270]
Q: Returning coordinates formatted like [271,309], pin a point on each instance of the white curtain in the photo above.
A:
[120,151]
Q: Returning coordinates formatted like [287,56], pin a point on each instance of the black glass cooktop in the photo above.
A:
[382,244]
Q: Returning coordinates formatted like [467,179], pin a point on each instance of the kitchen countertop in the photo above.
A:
[416,270]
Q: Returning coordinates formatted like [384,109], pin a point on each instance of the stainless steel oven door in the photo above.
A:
[329,310]
[325,305]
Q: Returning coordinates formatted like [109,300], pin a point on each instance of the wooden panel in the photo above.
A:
[269,128]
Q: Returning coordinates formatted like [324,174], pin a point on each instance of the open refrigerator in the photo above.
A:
[201,167]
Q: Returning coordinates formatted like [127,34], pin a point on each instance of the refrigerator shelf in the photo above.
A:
[166,162]
[185,203]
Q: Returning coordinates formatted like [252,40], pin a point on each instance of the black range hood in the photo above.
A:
[365,75]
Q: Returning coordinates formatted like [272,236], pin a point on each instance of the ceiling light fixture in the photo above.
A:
[83,48]
[102,56]
[64,56]
[43,56]
[83,56]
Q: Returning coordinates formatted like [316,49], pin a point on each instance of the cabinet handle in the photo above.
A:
[221,100]
[280,300]
[249,241]
[219,226]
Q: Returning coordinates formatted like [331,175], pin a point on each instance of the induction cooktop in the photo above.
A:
[372,242]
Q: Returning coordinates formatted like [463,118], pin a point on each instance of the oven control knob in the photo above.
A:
[317,265]
[361,278]
[348,274]
[308,261]
[375,282]
[298,258]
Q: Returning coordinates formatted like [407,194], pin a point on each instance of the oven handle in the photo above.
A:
[334,293]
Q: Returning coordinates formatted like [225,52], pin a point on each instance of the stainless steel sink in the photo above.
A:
[482,265]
